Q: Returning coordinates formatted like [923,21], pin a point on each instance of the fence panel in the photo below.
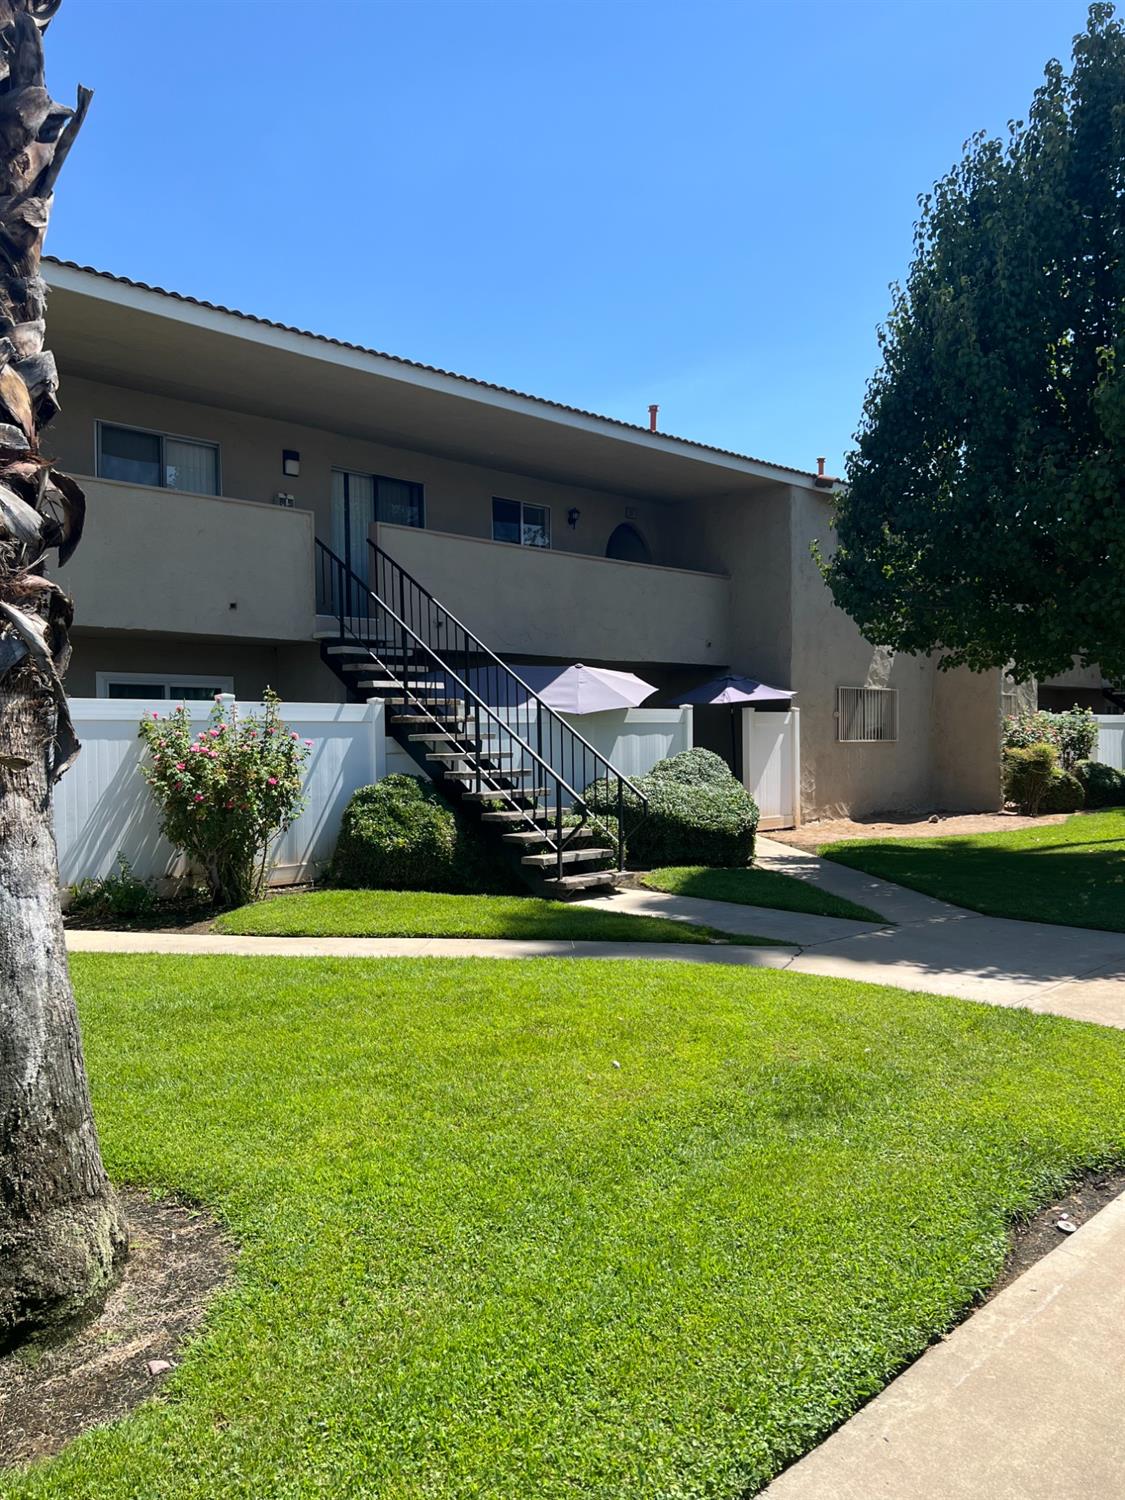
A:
[1111,740]
[103,804]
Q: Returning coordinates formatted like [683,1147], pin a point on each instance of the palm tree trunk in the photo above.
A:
[61,1230]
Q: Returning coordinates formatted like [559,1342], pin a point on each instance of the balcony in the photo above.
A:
[173,563]
[527,601]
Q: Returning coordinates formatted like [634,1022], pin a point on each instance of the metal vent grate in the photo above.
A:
[866,715]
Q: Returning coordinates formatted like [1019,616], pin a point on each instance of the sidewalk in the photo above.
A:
[941,949]
[1023,1401]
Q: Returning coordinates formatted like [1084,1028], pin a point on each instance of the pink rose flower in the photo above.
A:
[180,765]
[199,796]
[271,780]
[308,744]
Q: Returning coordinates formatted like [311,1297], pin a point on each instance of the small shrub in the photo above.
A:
[1103,785]
[1074,734]
[1027,774]
[402,835]
[226,792]
[1064,794]
[121,895]
[698,813]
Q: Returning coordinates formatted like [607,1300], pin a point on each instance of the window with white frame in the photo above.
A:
[180,688]
[138,456]
[525,525]
[866,715]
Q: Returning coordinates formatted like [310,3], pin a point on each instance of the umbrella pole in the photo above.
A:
[736,769]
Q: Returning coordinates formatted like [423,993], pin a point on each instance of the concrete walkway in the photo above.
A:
[935,947]
[1023,1401]
[361,947]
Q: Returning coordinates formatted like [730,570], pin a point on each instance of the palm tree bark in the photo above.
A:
[61,1230]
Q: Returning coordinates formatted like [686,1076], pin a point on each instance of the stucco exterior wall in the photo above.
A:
[545,603]
[747,535]
[458,496]
[295,672]
[163,560]
[947,754]
[966,738]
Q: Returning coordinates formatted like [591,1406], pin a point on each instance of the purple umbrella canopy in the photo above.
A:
[579,689]
[734,691]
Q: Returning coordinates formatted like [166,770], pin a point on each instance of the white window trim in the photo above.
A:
[523,505]
[177,437]
[884,696]
[170,683]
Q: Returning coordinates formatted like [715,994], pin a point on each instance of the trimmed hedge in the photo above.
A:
[698,814]
[1104,785]
[1064,794]
[693,768]
[1028,771]
[402,835]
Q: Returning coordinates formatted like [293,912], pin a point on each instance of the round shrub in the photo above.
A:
[1103,785]
[1027,774]
[1064,794]
[693,768]
[698,813]
[402,835]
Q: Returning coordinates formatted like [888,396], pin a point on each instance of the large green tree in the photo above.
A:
[985,509]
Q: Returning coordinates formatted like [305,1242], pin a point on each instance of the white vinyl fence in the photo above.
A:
[103,804]
[1111,740]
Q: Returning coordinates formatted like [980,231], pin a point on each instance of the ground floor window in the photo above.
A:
[866,715]
[186,688]
[526,525]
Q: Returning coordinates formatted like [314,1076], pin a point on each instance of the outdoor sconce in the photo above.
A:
[290,463]
[572,516]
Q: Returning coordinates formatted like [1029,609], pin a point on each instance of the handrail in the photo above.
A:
[554,777]
[488,651]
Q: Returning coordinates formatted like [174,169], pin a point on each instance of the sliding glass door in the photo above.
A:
[353,510]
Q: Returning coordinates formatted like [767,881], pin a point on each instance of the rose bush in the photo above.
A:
[226,791]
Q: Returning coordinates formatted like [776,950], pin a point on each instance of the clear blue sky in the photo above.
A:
[699,204]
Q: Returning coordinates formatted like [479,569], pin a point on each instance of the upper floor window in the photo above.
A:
[138,456]
[527,525]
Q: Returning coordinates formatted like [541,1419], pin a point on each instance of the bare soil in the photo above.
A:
[907,826]
[1041,1233]
[98,1371]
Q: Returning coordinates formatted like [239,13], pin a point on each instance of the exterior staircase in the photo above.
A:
[489,743]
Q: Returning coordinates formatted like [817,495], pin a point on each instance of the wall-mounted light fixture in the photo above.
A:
[572,516]
[290,463]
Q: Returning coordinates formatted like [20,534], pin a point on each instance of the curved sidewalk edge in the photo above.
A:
[359,947]
[1025,1400]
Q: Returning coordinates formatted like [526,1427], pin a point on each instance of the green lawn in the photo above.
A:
[751,887]
[1072,873]
[559,1229]
[428,914]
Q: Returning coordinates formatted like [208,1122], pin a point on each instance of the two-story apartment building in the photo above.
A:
[216,447]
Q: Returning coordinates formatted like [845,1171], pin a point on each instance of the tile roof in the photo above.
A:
[414,364]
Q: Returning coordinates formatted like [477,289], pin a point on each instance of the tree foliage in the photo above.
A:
[985,508]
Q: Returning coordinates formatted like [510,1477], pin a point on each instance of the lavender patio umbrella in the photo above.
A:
[579,689]
[737,692]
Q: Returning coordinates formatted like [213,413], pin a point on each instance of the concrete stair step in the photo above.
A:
[499,794]
[588,880]
[537,835]
[569,857]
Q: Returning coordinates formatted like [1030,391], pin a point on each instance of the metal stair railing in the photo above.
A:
[421,624]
